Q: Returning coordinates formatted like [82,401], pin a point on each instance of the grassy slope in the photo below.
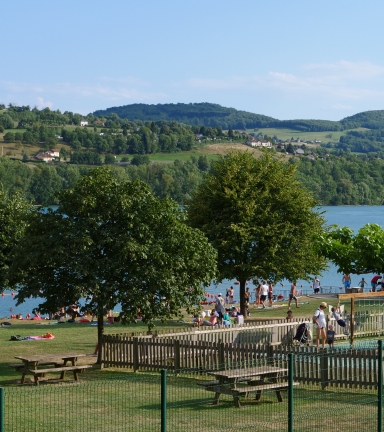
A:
[284,134]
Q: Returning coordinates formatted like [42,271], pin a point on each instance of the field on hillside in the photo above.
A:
[284,134]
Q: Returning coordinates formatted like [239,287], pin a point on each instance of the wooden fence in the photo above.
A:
[337,368]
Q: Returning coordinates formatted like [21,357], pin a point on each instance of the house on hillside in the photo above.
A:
[46,157]
[55,153]
[83,123]
[299,151]
[253,142]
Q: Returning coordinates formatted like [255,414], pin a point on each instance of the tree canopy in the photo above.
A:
[355,253]
[113,242]
[14,212]
[259,218]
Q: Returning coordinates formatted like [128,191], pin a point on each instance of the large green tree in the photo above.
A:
[14,212]
[355,253]
[114,242]
[259,218]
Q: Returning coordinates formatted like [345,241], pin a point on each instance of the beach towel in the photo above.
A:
[44,337]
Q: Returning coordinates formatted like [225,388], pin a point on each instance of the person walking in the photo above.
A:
[220,309]
[263,293]
[320,324]
[292,295]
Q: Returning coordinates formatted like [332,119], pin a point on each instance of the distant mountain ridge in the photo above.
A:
[215,115]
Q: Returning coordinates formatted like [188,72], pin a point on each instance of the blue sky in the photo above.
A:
[286,59]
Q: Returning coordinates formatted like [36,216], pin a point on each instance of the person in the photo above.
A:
[227,292]
[231,295]
[336,314]
[382,285]
[257,294]
[199,318]
[233,312]
[270,293]
[292,295]
[220,309]
[320,323]
[374,282]
[263,293]
[289,315]
[330,336]
[362,283]
[247,295]
[346,281]
[226,319]
[212,319]
[316,285]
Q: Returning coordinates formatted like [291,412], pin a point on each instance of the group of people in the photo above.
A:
[320,324]
[219,315]
[375,282]
[263,292]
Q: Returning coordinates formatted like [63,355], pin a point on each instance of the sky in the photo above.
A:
[285,59]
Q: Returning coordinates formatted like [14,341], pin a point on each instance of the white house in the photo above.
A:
[83,123]
[46,157]
[54,153]
[258,143]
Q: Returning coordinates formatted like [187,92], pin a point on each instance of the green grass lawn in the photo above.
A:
[285,133]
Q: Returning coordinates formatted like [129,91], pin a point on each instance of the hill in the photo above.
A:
[214,115]
[204,114]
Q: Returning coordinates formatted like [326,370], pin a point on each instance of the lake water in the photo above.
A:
[353,216]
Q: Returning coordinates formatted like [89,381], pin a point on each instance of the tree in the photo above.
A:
[361,253]
[13,221]
[109,159]
[259,218]
[140,160]
[113,242]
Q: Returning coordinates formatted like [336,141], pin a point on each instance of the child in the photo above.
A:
[330,336]
[289,315]
[339,320]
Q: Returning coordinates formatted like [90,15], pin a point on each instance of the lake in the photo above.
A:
[353,216]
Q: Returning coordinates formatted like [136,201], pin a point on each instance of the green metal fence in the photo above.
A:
[318,393]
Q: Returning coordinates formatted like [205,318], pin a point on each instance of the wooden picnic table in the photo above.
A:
[32,365]
[256,379]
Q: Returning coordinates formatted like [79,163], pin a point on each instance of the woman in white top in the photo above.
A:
[320,324]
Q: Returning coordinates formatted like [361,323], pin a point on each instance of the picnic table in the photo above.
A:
[238,382]
[36,365]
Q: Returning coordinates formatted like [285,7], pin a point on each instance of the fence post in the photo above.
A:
[323,369]
[177,355]
[270,351]
[135,354]
[163,400]
[380,388]
[290,392]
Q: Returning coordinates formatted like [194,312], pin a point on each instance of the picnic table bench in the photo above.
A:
[266,377]
[31,365]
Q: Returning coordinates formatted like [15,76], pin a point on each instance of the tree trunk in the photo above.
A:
[100,332]
[243,310]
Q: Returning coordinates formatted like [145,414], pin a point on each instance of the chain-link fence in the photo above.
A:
[304,390]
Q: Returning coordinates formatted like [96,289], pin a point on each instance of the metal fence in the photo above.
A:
[345,392]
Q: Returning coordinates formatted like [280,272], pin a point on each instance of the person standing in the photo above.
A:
[263,293]
[374,282]
[316,285]
[231,295]
[362,283]
[331,336]
[320,324]
[292,295]
[346,281]
[220,309]
[257,294]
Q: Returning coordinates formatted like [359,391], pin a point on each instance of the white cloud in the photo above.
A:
[41,103]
